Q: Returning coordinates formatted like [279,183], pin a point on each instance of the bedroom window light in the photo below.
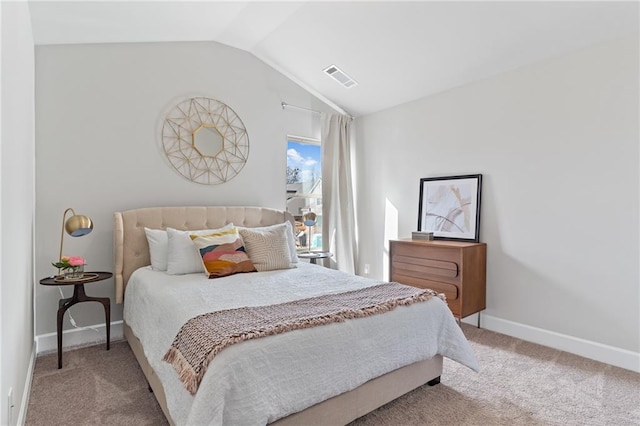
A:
[304,187]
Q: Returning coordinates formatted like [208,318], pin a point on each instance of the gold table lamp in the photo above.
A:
[309,219]
[76,226]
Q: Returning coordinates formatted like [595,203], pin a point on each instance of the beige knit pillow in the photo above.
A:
[268,247]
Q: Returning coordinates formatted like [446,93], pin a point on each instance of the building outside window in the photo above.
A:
[304,189]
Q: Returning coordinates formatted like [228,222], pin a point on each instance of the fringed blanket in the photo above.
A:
[203,337]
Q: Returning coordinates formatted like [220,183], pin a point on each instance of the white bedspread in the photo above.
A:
[259,381]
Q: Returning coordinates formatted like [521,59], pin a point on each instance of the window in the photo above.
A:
[304,189]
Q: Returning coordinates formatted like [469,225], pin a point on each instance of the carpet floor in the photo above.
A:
[520,383]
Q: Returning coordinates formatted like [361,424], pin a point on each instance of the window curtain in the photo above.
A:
[338,220]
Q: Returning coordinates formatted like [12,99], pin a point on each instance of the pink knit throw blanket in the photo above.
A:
[202,337]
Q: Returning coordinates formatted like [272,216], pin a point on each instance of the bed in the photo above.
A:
[329,374]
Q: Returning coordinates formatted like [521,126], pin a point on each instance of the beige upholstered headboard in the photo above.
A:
[130,247]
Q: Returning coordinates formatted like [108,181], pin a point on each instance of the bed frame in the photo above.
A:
[131,251]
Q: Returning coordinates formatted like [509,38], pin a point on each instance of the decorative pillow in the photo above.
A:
[291,239]
[268,247]
[158,248]
[182,256]
[223,253]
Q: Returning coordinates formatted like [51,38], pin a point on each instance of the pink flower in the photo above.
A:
[76,261]
[69,262]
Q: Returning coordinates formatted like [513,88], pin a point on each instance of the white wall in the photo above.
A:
[557,143]
[99,111]
[17,208]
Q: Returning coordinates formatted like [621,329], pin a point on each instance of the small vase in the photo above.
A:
[74,273]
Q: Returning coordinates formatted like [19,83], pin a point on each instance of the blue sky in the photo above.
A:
[304,156]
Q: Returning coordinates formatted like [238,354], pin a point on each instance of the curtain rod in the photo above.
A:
[286,105]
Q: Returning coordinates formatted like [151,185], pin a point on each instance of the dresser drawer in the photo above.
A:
[427,263]
[426,268]
[427,251]
[449,290]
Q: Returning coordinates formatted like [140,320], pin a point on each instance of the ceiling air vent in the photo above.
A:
[340,76]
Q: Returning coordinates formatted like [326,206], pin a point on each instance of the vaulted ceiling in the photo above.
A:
[395,51]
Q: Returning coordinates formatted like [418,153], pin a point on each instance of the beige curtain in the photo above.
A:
[338,219]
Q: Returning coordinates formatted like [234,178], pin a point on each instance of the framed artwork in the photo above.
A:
[450,207]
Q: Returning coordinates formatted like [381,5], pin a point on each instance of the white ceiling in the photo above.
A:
[396,51]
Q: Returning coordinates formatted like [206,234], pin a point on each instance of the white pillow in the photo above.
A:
[183,256]
[268,247]
[158,248]
[291,238]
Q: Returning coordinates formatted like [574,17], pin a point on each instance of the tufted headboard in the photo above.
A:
[130,247]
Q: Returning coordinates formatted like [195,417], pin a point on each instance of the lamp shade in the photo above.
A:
[309,218]
[78,225]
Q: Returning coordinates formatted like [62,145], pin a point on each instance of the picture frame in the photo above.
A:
[449,207]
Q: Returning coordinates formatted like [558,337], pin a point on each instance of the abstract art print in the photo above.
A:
[450,207]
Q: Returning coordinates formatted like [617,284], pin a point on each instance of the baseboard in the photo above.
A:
[22,414]
[78,337]
[611,355]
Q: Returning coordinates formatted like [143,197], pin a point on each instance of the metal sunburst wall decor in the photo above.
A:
[205,141]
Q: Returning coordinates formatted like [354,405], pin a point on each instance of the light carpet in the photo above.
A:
[520,383]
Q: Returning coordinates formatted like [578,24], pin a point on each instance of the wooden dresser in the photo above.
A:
[457,269]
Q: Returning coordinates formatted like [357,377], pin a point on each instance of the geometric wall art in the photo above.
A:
[205,141]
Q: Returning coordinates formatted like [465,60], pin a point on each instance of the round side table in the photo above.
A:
[313,256]
[79,295]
